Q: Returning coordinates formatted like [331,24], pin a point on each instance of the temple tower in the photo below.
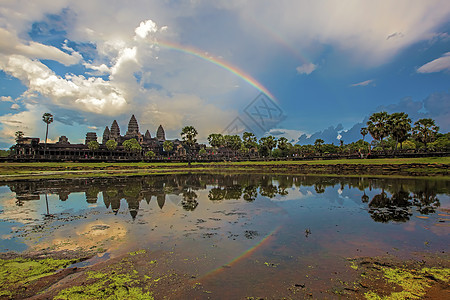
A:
[90,136]
[133,127]
[106,135]
[115,131]
[160,134]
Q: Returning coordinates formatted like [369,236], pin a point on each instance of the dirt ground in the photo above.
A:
[169,275]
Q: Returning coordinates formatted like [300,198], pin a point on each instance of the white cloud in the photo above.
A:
[440,64]
[10,44]
[307,68]
[145,28]
[25,121]
[86,94]
[15,106]
[6,99]
[364,83]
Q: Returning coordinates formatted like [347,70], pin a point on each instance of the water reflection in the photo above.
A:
[394,199]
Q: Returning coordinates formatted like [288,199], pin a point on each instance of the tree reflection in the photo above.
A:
[383,208]
[189,202]
[396,201]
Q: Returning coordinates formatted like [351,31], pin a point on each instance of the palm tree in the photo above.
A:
[167,146]
[425,131]
[19,134]
[47,118]
[188,134]
[399,125]
[318,144]
[364,132]
[378,126]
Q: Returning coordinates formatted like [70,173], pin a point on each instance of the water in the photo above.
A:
[232,227]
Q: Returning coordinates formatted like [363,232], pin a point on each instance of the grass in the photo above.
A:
[418,166]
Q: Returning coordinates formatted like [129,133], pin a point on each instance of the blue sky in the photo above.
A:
[328,64]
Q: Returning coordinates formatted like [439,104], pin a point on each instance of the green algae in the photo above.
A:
[16,274]
[109,285]
[137,252]
[414,283]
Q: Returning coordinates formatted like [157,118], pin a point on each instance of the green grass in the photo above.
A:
[12,171]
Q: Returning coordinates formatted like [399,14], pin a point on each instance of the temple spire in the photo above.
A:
[160,134]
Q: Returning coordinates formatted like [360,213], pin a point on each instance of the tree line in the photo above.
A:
[389,131]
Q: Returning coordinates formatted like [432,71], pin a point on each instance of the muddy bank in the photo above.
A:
[144,274]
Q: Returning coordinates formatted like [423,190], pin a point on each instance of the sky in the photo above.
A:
[299,69]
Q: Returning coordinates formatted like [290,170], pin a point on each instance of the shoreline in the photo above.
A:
[437,167]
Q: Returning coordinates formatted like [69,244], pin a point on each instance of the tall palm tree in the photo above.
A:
[47,118]
[425,131]
[378,126]
[188,134]
[399,125]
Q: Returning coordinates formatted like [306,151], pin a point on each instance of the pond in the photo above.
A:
[240,235]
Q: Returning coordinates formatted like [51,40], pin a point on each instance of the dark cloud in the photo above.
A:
[329,136]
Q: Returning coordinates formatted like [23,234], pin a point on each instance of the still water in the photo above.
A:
[236,225]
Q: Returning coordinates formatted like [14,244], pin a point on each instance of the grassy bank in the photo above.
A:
[429,166]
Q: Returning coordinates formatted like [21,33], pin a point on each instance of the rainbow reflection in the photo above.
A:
[244,255]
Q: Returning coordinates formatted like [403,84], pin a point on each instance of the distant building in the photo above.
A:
[31,148]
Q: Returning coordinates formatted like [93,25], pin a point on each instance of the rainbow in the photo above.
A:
[219,62]
[245,254]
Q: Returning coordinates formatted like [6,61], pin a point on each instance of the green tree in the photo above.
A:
[266,144]
[111,145]
[233,142]
[93,146]
[399,127]
[318,145]
[188,135]
[48,119]
[378,126]
[364,132]
[19,134]
[249,140]
[215,140]
[150,154]
[425,131]
[442,142]
[202,152]
[132,145]
[167,146]
[282,143]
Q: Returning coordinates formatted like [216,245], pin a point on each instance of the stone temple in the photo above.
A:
[29,148]
[132,133]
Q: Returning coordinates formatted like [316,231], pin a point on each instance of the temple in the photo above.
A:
[32,149]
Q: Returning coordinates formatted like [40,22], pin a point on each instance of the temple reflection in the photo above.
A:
[386,200]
